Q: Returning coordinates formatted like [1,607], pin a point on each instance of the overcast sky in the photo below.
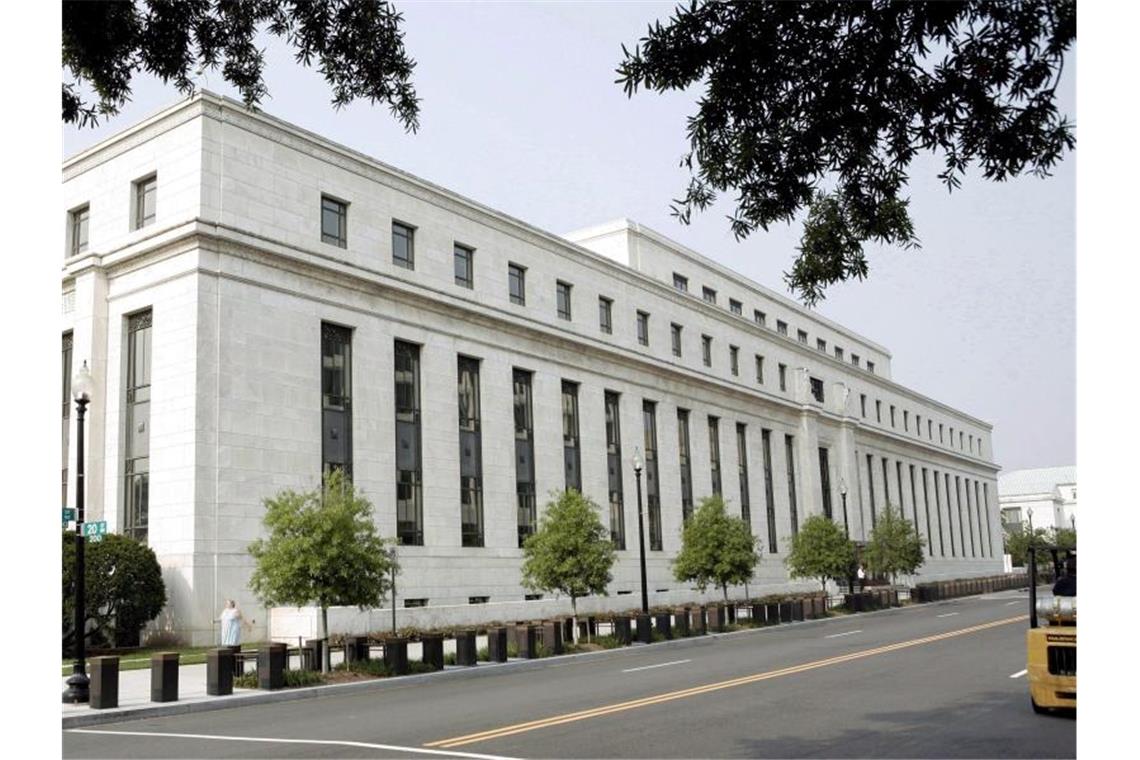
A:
[520,112]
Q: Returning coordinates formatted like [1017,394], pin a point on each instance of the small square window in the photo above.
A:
[781,327]
[706,350]
[863,404]
[681,283]
[734,360]
[839,353]
[676,333]
[855,359]
[516,281]
[146,191]
[334,222]
[821,345]
[605,315]
[783,372]
[563,297]
[759,317]
[759,369]
[871,367]
[709,294]
[736,307]
[643,328]
[801,336]
[464,266]
[79,218]
[403,245]
[817,389]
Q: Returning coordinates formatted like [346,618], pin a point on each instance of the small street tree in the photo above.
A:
[571,552]
[1018,539]
[820,550]
[894,547]
[716,548]
[322,549]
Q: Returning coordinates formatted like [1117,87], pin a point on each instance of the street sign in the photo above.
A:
[68,515]
[95,530]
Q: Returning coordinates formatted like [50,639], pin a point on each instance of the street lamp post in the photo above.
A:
[1030,513]
[78,684]
[641,532]
[843,496]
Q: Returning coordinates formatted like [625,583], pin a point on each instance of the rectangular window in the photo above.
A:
[971,439]
[951,437]
[409,455]
[940,439]
[759,317]
[464,266]
[886,485]
[863,404]
[821,345]
[825,482]
[802,336]
[136,451]
[516,282]
[706,350]
[336,398]
[742,472]
[734,360]
[871,486]
[681,283]
[979,446]
[839,353]
[571,446]
[67,346]
[769,497]
[524,455]
[918,424]
[403,245]
[686,464]
[986,498]
[415,602]
[781,327]
[605,315]
[961,442]
[892,415]
[714,454]
[759,369]
[871,367]
[790,454]
[146,192]
[899,484]
[478,599]
[930,429]
[817,389]
[878,411]
[563,299]
[652,488]
[938,511]
[613,463]
[643,328]
[950,518]
[914,501]
[736,307]
[675,333]
[855,359]
[926,505]
[79,219]
[334,222]
[783,373]
[709,294]
[470,453]
[906,421]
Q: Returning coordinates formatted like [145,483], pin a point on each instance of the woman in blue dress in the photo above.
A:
[231,624]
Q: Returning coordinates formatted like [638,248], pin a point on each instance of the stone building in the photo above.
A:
[257,303]
[1047,496]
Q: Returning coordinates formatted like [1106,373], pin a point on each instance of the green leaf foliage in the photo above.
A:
[820,550]
[124,589]
[823,106]
[1018,539]
[894,547]
[571,552]
[716,548]
[357,46]
[322,549]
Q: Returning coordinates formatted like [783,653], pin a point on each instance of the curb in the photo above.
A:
[258,697]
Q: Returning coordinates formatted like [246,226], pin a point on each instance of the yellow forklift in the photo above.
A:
[1051,642]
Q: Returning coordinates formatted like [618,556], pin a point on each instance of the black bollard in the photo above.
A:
[432,645]
[164,677]
[465,652]
[526,638]
[271,666]
[220,672]
[396,655]
[497,643]
[622,629]
[664,624]
[644,628]
[104,686]
[552,636]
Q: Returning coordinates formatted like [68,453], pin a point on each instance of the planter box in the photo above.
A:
[432,645]
[164,676]
[465,652]
[103,691]
[396,655]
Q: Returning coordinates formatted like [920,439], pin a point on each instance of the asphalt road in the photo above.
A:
[926,681]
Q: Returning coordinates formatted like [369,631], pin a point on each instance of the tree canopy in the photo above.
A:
[822,106]
[357,45]
[716,548]
[322,549]
[123,586]
[820,550]
[1018,539]
[894,546]
[571,552]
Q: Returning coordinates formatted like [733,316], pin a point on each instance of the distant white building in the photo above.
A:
[1045,496]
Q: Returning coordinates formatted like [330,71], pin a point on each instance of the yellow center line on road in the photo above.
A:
[597,712]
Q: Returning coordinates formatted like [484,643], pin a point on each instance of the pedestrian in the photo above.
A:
[231,624]
[862,575]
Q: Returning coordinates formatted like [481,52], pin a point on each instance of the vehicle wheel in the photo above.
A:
[1038,708]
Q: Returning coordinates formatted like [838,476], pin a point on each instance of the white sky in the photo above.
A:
[520,111]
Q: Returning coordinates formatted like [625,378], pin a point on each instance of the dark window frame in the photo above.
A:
[465,254]
[408,233]
[339,212]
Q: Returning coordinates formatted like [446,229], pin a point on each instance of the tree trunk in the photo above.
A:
[574,618]
[724,587]
[326,656]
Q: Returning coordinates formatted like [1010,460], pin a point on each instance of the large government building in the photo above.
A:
[257,304]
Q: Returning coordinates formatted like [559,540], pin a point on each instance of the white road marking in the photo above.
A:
[326,742]
[1015,601]
[1019,674]
[837,635]
[949,614]
[658,665]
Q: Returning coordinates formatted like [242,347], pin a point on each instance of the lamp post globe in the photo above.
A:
[637,465]
[78,685]
[843,496]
